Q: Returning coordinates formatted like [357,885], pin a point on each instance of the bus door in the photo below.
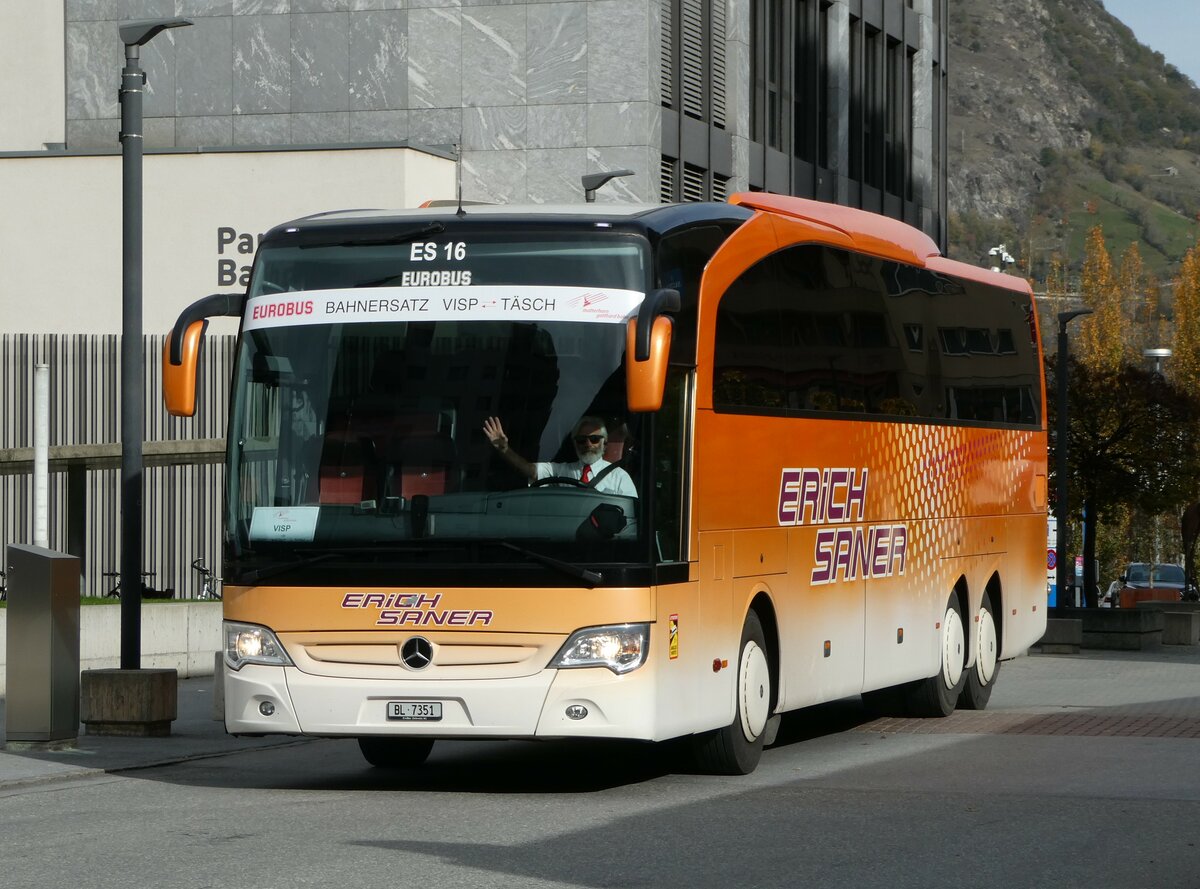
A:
[753,448]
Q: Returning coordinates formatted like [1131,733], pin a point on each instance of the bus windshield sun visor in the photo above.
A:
[432,228]
[214,305]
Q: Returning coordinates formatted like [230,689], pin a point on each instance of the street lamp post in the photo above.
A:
[133,79]
[1159,355]
[1060,543]
[1001,258]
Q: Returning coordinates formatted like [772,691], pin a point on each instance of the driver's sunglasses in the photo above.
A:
[585,439]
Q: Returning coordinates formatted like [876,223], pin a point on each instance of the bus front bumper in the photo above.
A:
[589,702]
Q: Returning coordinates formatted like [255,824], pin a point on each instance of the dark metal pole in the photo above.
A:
[133,81]
[132,421]
[1060,450]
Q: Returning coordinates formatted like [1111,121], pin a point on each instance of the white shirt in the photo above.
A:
[616,482]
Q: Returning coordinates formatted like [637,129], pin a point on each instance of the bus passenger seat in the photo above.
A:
[618,439]
[346,474]
[425,463]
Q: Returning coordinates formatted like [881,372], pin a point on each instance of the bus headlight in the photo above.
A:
[250,644]
[620,648]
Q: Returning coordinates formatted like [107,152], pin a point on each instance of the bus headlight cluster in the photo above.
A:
[620,648]
[250,644]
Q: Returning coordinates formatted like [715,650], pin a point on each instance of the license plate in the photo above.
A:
[415,711]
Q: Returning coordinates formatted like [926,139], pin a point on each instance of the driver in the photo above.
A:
[589,437]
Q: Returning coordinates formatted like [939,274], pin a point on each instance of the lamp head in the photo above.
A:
[141,32]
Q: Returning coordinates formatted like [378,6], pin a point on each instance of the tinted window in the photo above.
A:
[816,330]
[682,257]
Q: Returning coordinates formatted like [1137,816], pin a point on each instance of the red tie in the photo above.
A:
[587,474]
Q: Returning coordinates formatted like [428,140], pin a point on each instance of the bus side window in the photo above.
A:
[682,257]
[748,360]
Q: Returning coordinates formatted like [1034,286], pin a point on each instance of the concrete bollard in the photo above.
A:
[1063,636]
[131,703]
[1181,627]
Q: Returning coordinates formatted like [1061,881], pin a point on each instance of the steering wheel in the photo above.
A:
[558,480]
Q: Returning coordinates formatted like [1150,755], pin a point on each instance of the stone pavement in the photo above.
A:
[195,734]
[1151,693]
[1154,693]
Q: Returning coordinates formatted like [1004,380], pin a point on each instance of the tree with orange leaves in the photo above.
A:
[1184,372]
[1101,336]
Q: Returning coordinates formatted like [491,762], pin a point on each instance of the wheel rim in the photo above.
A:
[952,647]
[755,690]
[986,658]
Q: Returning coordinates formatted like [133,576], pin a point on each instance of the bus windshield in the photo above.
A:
[366,374]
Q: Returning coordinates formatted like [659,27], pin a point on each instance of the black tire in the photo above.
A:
[981,678]
[737,748]
[395,753]
[938,695]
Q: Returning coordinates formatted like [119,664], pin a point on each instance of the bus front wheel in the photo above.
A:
[395,753]
[938,695]
[981,679]
[737,748]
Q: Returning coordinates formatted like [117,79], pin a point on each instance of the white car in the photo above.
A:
[1109,599]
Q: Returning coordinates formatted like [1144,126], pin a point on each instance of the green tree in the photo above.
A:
[1129,442]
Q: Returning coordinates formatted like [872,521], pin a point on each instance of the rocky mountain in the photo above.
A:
[1060,120]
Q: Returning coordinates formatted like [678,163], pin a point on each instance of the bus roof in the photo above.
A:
[651,217]
[870,232]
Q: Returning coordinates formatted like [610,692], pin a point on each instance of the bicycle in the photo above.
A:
[209,588]
[115,592]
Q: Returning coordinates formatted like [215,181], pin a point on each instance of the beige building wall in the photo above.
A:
[60,243]
[33,72]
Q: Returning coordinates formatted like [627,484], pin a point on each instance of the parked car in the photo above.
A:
[1110,599]
[1169,579]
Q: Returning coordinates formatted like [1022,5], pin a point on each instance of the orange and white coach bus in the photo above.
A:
[830,443]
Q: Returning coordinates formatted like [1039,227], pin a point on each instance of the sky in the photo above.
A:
[1171,27]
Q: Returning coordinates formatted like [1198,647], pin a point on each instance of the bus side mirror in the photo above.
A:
[179,378]
[647,348]
[181,352]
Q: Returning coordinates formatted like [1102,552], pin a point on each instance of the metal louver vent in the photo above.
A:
[692,52]
[718,63]
[666,180]
[666,51]
[720,187]
[693,183]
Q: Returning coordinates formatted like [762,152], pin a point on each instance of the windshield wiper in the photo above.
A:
[255,575]
[591,578]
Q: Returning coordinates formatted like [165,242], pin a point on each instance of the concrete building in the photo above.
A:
[842,100]
[265,110]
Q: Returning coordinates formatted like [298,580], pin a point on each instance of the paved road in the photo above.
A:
[1082,773]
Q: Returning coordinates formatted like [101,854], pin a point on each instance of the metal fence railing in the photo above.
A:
[182,485]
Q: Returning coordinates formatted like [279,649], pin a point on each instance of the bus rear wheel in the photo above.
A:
[981,679]
[737,748]
[938,695]
[395,753]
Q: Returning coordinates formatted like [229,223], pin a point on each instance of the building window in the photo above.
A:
[804,91]
[872,107]
[896,112]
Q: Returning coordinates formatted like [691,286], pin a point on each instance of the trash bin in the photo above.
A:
[42,664]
